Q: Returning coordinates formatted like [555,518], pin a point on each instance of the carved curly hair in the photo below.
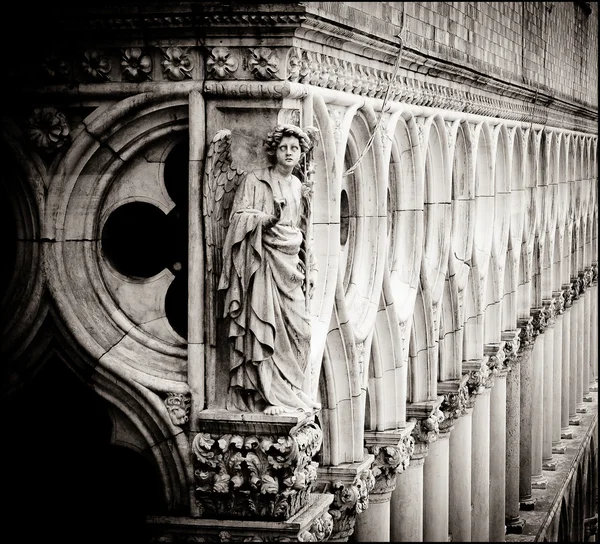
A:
[274,138]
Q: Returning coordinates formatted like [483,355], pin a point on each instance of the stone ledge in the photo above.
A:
[539,522]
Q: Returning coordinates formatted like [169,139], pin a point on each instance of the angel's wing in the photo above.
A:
[221,179]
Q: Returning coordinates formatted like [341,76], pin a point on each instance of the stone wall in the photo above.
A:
[545,45]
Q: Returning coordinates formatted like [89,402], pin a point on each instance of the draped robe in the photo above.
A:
[267,323]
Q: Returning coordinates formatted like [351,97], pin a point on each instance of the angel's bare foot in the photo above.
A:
[274,410]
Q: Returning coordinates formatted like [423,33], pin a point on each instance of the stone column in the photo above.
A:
[538,481]
[479,393]
[565,432]
[557,389]
[513,521]
[350,484]
[497,460]
[594,328]
[525,437]
[579,346]
[457,415]
[587,320]
[391,451]
[573,366]
[406,505]
[435,478]
[548,388]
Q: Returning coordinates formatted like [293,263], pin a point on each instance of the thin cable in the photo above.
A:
[385,99]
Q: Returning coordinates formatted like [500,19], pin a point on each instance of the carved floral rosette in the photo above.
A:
[349,500]
[391,460]
[263,477]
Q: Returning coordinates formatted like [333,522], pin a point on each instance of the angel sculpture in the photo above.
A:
[260,268]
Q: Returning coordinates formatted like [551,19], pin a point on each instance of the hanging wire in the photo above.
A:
[385,99]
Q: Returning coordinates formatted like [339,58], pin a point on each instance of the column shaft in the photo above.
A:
[557,391]
[514,522]
[498,458]
[460,478]
[548,395]
[525,430]
[566,373]
[436,490]
[586,341]
[406,505]
[374,523]
[537,420]
[480,468]
[573,364]
[579,345]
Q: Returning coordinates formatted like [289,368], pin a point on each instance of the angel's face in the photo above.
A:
[288,151]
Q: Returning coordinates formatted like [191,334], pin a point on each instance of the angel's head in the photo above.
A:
[280,132]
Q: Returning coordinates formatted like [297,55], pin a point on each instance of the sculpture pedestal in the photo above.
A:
[252,466]
[312,524]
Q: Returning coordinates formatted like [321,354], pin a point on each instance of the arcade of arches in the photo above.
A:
[454,342]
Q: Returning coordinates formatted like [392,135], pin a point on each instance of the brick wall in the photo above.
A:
[552,46]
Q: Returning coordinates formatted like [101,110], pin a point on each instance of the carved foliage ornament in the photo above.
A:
[453,406]
[389,461]
[478,380]
[48,129]
[526,334]
[221,64]
[320,529]
[178,406]
[177,64]
[349,501]
[539,321]
[427,430]
[260,477]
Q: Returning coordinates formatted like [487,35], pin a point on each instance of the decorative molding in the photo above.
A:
[178,406]
[255,475]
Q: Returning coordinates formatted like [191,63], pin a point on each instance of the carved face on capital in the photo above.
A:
[288,152]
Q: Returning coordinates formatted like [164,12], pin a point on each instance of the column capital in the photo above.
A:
[559,304]
[549,309]
[496,361]
[454,405]
[594,268]
[427,417]
[478,372]
[512,342]
[526,332]
[576,287]
[568,294]
[350,484]
[392,451]
[539,321]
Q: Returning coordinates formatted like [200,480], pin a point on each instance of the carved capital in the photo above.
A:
[392,451]
[427,430]
[479,374]
[178,406]
[496,363]
[266,475]
[512,343]
[539,321]
[568,295]
[526,333]
[559,302]
[590,526]
[549,309]
[320,529]
[455,401]
[575,288]
[594,273]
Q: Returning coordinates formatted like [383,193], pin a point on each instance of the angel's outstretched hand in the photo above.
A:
[272,220]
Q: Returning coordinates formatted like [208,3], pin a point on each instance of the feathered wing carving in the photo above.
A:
[221,180]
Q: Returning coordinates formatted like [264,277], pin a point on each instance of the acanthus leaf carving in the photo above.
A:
[389,461]
[427,430]
[350,500]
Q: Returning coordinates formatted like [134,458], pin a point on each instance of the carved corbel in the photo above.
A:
[392,451]
[178,406]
